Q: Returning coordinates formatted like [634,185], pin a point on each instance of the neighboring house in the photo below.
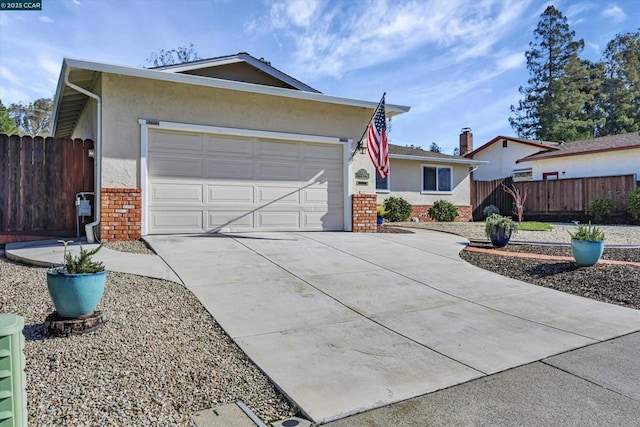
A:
[423,177]
[224,144]
[603,156]
[501,155]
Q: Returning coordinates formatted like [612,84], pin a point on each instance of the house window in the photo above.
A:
[382,184]
[550,175]
[505,144]
[436,179]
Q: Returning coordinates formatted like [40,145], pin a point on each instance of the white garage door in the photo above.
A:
[201,182]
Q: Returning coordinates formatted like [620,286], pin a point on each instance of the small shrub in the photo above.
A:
[490,210]
[398,209]
[633,203]
[589,233]
[497,223]
[443,211]
[600,208]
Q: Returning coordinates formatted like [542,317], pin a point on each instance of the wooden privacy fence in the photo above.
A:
[551,197]
[39,179]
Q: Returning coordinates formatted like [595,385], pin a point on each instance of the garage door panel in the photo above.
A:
[224,193]
[321,173]
[279,149]
[174,193]
[176,221]
[278,171]
[230,146]
[321,196]
[280,195]
[278,219]
[230,169]
[166,165]
[322,152]
[321,221]
[168,140]
[238,220]
[217,182]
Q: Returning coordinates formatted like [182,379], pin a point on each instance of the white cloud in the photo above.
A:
[76,2]
[45,19]
[615,13]
[511,61]
[6,74]
[331,39]
[51,68]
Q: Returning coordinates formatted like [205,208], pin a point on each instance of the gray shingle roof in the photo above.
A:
[593,145]
[408,151]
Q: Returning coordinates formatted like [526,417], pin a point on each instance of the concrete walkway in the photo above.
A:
[344,322]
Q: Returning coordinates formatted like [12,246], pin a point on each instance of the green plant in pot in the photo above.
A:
[381,212]
[498,229]
[587,245]
[76,286]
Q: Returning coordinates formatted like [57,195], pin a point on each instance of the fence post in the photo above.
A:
[13,393]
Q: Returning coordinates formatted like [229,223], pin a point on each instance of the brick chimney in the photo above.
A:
[466,141]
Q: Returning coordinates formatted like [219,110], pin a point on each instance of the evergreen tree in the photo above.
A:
[7,124]
[33,119]
[435,148]
[620,100]
[179,55]
[539,114]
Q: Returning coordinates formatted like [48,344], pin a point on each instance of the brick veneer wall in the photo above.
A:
[420,211]
[121,214]
[363,213]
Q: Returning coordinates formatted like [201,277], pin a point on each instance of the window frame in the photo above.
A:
[437,167]
[383,190]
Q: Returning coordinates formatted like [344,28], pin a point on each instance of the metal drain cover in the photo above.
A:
[292,422]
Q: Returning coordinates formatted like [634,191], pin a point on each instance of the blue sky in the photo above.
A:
[457,63]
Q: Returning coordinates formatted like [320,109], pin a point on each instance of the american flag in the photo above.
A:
[377,141]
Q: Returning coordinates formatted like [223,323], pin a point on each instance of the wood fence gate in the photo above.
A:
[39,179]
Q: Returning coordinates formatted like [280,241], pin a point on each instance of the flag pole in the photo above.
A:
[367,127]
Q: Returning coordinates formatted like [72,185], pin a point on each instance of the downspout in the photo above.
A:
[97,158]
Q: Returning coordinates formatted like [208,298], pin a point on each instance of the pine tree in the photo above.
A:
[538,115]
[7,124]
[620,100]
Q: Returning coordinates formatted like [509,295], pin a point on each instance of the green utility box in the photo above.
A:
[13,380]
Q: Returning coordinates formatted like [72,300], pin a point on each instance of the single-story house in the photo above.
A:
[424,177]
[501,155]
[604,156]
[223,144]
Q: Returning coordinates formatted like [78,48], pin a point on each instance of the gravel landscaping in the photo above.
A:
[616,284]
[159,359]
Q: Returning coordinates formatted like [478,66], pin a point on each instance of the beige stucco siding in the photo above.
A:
[609,163]
[405,181]
[502,160]
[127,99]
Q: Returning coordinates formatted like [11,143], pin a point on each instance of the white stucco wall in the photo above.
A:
[127,99]
[502,161]
[608,163]
[405,180]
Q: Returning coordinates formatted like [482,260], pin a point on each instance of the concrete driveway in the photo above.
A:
[346,322]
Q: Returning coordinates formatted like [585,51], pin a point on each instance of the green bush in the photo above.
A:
[443,211]
[600,208]
[490,210]
[398,209]
[633,203]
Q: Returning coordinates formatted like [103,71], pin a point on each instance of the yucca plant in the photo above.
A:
[589,233]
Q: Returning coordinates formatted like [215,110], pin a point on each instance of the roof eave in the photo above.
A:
[576,153]
[392,109]
[437,159]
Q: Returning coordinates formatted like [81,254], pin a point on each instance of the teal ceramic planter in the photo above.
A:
[586,252]
[75,295]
